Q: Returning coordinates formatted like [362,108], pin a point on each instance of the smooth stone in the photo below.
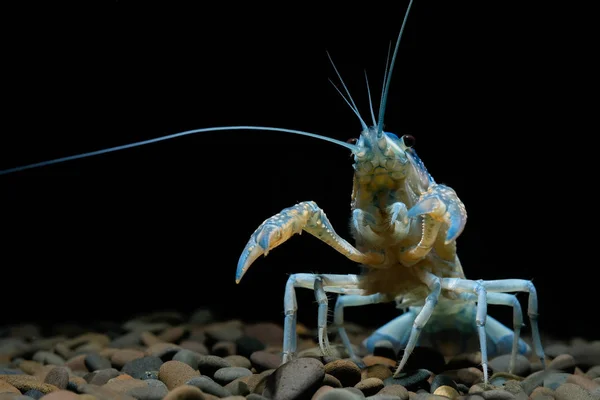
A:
[209,386]
[296,379]
[228,374]
[139,367]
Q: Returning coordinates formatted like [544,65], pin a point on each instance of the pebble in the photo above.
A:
[570,391]
[185,392]
[188,357]
[370,386]
[240,361]
[262,360]
[346,371]
[154,390]
[395,390]
[58,376]
[209,386]
[94,362]
[139,367]
[412,381]
[176,373]
[228,374]
[501,364]
[424,358]
[563,362]
[296,379]
[208,365]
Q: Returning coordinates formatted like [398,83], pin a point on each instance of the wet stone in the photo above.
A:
[175,373]
[223,349]
[208,365]
[332,381]
[239,361]
[262,360]
[246,345]
[564,363]
[34,394]
[412,381]
[94,361]
[370,386]
[395,390]
[46,357]
[340,394]
[188,357]
[139,367]
[501,364]
[297,379]
[384,348]
[424,358]
[209,386]
[154,390]
[442,380]
[58,376]
[570,391]
[346,371]
[228,374]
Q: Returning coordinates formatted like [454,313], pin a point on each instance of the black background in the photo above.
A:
[483,90]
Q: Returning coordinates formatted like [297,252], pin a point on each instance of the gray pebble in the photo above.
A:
[58,376]
[34,394]
[246,345]
[137,368]
[341,394]
[238,388]
[556,349]
[94,362]
[497,394]
[570,391]
[501,363]
[262,360]
[238,361]
[102,376]
[255,396]
[223,349]
[156,390]
[555,379]
[208,365]
[413,381]
[591,373]
[386,397]
[299,378]
[355,390]
[46,357]
[188,357]
[209,386]
[228,374]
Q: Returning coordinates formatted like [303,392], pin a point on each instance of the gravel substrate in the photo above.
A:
[169,356]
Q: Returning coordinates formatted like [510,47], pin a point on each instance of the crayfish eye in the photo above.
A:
[352,140]
[409,140]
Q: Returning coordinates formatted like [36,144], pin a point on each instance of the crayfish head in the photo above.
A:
[383,153]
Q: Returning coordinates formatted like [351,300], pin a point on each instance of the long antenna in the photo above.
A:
[389,77]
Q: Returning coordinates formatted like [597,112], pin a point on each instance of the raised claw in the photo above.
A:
[271,233]
[441,210]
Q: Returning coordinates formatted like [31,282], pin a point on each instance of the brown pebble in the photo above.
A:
[321,391]
[160,348]
[268,333]
[172,334]
[332,381]
[6,387]
[124,385]
[583,381]
[61,395]
[58,376]
[149,338]
[380,371]
[30,367]
[122,357]
[563,362]
[571,391]
[108,352]
[370,386]
[77,363]
[91,337]
[542,391]
[345,370]
[395,390]
[176,373]
[238,361]
[372,360]
[26,382]
[446,391]
[185,392]
[193,345]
